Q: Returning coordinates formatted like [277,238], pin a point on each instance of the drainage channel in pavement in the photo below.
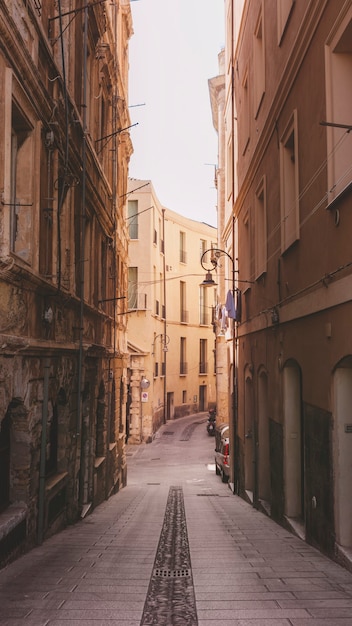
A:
[170,599]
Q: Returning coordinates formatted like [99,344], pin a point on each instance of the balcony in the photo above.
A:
[204,317]
[184,315]
[183,368]
[203,367]
[137,301]
[183,256]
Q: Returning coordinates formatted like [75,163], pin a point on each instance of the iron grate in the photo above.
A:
[171,573]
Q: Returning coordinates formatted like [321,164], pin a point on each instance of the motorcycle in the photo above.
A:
[211,422]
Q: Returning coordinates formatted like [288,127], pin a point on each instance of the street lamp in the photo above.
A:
[165,340]
[210,261]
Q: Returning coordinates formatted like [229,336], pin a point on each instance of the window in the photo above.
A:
[184,396]
[103,271]
[289,189]
[183,256]
[259,62]
[283,13]
[245,268]
[183,311]
[183,363]
[203,358]
[161,294]
[133,219]
[46,208]
[260,230]
[244,112]
[338,106]
[203,305]
[229,168]
[202,247]
[136,300]
[87,261]
[21,195]
[133,287]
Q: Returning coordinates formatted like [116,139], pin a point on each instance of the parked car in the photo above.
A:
[222,451]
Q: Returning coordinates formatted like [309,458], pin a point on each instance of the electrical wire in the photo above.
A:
[321,202]
[66,153]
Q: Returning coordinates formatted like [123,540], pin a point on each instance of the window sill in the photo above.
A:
[337,199]
[12,517]
[56,481]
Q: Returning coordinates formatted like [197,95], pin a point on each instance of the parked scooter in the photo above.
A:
[211,422]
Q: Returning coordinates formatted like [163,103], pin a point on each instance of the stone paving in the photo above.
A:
[242,569]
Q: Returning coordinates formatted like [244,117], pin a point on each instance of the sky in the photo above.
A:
[173,53]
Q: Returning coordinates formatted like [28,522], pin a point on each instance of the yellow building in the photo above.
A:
[170,332]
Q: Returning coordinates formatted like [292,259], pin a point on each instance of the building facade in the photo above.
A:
[289,72]
[170,332]
[64,153]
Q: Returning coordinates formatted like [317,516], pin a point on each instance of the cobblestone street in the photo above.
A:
[175,547]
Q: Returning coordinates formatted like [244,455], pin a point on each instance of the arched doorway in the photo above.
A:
[5,461]
[249,468]
[264,490]
[293,455]
[342,388]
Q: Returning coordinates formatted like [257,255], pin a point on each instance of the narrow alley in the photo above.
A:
[175,547]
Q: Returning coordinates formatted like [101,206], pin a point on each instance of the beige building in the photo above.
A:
[170,332]
[288,148]
[223,267]
[64,158]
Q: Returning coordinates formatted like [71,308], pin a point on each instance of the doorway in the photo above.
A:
[264,491]
[202,398]
[170,409]
[342,385]
[293,456]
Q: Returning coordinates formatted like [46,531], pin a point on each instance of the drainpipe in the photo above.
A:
[83,217]
[165,324]
[41,497]
[112,362]
[235,460]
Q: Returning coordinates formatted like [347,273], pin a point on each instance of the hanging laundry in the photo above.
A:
[230,305]
[223,318]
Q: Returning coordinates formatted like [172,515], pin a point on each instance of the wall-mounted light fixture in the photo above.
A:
[145,382]
[165,340]
[210,261]
[212,257]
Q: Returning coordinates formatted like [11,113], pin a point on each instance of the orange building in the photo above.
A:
[288,180]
